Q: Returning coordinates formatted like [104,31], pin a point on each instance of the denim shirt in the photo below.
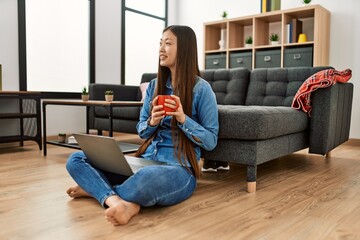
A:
[204,124]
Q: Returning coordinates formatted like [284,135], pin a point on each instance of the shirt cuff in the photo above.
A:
[146,130]
[188,127]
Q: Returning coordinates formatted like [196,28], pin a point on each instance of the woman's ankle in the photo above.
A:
[121,212]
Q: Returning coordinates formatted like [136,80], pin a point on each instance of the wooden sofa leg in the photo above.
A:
[251,187]
[251,178]
[328,154]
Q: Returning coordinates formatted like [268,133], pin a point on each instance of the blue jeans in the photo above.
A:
[162,185]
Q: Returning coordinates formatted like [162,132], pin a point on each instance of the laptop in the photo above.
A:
[105,153]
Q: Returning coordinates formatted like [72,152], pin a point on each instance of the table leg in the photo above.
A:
[111,121]
[21,123]
[38,120]
[87,119]
[44,128]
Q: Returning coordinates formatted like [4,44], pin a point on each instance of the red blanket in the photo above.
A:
[322,79]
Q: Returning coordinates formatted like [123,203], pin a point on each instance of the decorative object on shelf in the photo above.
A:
[224,15]
[84,94]
[222,42]
[306,2]
[109,95]
[275,5]
[293,30]
[72,140]
[248,42]
[61,137]
[302,38]
[263,6]
[274,39]
[269,5]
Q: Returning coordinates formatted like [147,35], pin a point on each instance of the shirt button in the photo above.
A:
[186,129]
[155,150]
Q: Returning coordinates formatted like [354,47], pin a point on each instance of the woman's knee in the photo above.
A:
[158,186]
[73,159]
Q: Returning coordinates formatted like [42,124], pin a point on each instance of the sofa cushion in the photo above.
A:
[229,85]
[145,78]
[277,86]
[143,87]
[260,122]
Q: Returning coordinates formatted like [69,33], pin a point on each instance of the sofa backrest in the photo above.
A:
[277,86]
[230,85]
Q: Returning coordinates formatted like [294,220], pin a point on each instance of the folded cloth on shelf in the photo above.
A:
[321,79]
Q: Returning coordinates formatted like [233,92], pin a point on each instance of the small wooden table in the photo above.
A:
[92,103]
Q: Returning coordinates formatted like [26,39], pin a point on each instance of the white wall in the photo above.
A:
[343,47]
[108,41]
[9,54]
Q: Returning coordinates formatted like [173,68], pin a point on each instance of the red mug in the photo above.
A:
[161,101]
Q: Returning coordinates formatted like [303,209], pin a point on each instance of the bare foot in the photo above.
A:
[77,192]
[121,212]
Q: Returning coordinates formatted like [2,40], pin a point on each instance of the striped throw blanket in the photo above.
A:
[322,79]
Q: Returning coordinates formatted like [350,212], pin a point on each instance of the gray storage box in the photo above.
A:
[215,61]
[267,58]
[298,57]
[241,59]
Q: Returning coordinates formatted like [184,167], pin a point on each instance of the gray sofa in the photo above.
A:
[257,122]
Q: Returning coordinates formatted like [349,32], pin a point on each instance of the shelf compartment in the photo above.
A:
[239,30]
[17,115]
[266,25]
[25,118]
[215,61]
[298,56]
[241,59]
[213,35]
[268,58]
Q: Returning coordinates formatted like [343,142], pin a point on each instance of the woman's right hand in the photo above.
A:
[157,113]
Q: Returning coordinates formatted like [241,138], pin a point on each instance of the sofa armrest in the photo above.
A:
[121,92]
[330,117]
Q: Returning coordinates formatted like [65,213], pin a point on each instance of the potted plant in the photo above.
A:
[84,94]
[248,42]
[61,137]
[224,15]
[109,95]
[305,2]
[274,39]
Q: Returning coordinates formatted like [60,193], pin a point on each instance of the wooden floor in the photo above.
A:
[300,196]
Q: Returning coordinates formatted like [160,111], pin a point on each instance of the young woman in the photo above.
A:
[174,138]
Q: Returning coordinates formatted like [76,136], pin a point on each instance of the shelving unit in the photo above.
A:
[315,23]
[27,114]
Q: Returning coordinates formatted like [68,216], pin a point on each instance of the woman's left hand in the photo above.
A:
[179,112]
